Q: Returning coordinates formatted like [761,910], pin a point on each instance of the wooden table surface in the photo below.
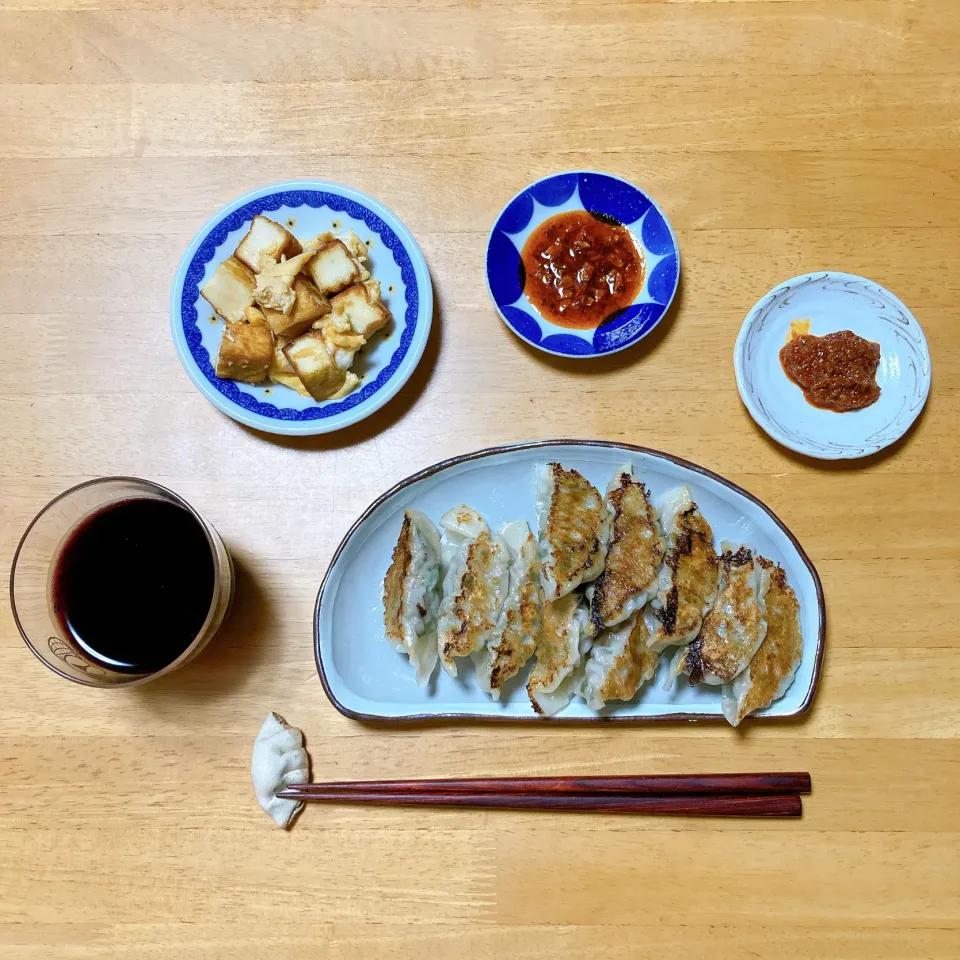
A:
[779,137]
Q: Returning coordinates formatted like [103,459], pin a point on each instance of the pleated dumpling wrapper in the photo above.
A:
[563,643]
[411,594]
[619,663]
[688,578]
[573,530]
[773,667]
[475,585]
[635,552]
[514,641]
[735,625]
[279,760]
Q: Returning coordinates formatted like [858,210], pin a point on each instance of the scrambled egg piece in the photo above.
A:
[274,289]
[341,341]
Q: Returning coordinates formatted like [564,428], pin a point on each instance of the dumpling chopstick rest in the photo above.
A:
[279,760]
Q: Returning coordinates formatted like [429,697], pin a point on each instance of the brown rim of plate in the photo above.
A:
[533,445]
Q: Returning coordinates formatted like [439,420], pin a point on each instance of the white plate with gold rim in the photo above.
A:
[832,301]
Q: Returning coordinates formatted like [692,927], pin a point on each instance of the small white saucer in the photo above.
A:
[832,301]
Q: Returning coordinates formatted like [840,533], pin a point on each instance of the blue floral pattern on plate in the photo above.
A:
[286,412]
[599,193]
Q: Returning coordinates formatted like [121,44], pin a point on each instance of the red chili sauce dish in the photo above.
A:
[837,372]
[581,270]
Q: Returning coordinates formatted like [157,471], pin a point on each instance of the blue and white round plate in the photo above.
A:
[597,193]
[306,208]
[831,302]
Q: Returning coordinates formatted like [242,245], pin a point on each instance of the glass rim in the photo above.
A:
[97,481]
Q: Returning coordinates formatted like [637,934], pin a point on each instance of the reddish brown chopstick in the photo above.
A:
[702,805]
[708,784]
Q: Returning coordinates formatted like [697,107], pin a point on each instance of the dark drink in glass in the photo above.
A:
[133,584]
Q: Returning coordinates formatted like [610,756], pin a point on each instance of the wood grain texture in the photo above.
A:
[780,136]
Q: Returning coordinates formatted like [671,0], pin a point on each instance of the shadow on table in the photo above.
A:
[229,658]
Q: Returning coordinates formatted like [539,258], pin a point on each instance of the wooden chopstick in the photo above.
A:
[709,784]
[700,805]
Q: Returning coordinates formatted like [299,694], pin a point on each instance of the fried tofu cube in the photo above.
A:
[334,268]
[230,290]
[314,365]
[280,364]
[267,238]
[362,306]
[246,352]
[281,370]
[309,306]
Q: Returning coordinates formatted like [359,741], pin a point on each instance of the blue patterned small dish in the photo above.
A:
[831,302]
[598,193]
[306,208]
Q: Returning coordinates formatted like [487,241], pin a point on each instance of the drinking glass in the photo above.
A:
[31,580]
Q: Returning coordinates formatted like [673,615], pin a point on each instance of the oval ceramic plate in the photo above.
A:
[599,193]
[367,680]
[306,208]
[832,301]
